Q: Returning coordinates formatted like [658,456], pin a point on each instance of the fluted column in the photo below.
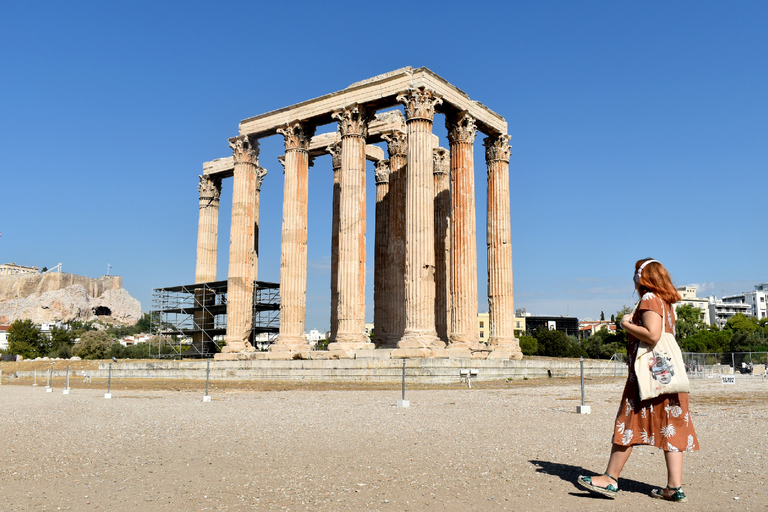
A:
[207,251]
[381,305]
[293,248]
[501,302]
[397,144]
[353,127]
[419,222]
[207,229]
[461,136]
[243,243]
[335,151]
[441,162]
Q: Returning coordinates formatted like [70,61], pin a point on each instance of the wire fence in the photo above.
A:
[706,365]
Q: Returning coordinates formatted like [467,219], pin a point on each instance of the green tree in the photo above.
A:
[707,341]
[604,343]
[93,345]
[60,337]
[143,325]
[688,321]
[557,344]
[602,316]
[742,322]
[529,346]
[25,339]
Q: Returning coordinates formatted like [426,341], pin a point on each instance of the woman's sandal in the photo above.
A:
[678,495]
[609,490]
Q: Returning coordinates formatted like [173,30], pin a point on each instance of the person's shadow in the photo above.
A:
[570,473]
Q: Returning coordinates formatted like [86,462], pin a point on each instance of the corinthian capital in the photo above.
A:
[397,143]
[297,135]
[497,148]
[353,121]
[245,149]
[419,103]
[210,190]
[461,127]
[382,172]
[441,161]
[260,173]
[335,151]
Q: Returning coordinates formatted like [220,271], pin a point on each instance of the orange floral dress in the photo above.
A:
[664,421]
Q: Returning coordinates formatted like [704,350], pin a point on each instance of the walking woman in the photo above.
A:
[664,421]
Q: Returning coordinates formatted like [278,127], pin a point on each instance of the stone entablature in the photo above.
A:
[378,93]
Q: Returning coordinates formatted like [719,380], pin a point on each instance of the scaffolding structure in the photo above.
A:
[191,320]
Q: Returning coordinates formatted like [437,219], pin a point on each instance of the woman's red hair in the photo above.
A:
[655,278]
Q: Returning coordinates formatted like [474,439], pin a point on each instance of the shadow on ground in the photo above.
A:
[570,473]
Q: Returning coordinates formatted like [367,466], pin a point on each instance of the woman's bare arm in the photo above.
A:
[649,332]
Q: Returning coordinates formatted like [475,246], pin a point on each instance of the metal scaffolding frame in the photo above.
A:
[191,320]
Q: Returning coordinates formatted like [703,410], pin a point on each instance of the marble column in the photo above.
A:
[353,127]
[243,243]
[207,229]
[397,144]
[501,304]
[420,330]
[441,169]
[293,248]
[335,151]
[207,251]
[461,137]
[381,305]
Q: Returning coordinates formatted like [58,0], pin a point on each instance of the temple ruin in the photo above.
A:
[425,268]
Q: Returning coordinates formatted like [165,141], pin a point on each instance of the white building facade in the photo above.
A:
[720,311]
[688,296]
[756,300]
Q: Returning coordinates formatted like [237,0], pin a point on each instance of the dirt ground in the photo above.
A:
[156,446]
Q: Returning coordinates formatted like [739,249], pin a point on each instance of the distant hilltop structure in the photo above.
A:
[9,269]
[50,297]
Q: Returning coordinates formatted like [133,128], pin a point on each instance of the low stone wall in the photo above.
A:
[436,371]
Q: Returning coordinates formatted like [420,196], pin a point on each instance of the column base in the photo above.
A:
[416,340]
[237,347]
[352,338]
[464,342]
[296,346]
[505,347]
[349,345]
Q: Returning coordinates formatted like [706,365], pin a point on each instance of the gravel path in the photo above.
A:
[518,448]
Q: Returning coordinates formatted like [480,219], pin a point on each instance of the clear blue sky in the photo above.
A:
[638,129]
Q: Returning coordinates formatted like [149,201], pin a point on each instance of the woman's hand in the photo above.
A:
[650,332]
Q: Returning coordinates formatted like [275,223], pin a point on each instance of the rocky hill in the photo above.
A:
[62,297]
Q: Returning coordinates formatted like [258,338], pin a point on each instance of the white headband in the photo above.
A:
[640,270]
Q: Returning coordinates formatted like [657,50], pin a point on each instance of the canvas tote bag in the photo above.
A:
[660,370]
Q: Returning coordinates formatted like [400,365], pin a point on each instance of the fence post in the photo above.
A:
[403,402]
[207,397]
[582,409]
[66,388]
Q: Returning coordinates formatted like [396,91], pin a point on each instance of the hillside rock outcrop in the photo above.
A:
[58,297]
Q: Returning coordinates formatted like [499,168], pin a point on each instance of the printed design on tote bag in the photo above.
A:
[661,367]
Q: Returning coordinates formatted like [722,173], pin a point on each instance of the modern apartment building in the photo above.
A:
[756,300]
[720,311]
[688,296]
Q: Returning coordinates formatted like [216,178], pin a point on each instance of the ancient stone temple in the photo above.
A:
[425,268]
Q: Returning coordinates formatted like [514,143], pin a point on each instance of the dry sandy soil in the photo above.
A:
[510,446]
